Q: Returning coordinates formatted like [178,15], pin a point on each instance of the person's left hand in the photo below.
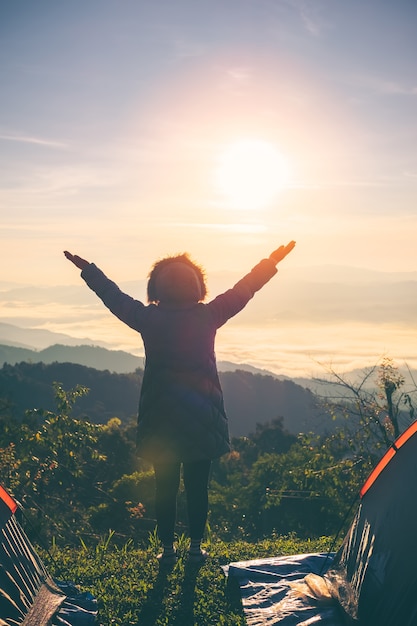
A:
[77,260]
[281,252]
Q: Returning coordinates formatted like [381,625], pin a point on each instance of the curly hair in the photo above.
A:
[153,292]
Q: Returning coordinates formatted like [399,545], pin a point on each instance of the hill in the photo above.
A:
[95,356]
[249,398]
[37,338]
[90,356]
[121,362]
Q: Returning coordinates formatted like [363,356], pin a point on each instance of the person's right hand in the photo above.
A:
[281,252]
[77,260]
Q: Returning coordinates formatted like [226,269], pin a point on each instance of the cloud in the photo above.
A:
[239,74]
[308,11]
[48,143]
[387,87]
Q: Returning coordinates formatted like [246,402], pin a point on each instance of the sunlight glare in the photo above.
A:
[250,174]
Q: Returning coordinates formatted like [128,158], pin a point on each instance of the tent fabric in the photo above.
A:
[269,592]
[8,505]
[374,574]
[78,609]
[47,601]
[28,594]
[373,577]
[400,441]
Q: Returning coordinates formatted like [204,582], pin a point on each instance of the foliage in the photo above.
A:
[230,504]
[59,467]
[76,479]
[131,590]
[129,509]
[308,490]
[269,437]
[375,412]
[55,455]
[307,487]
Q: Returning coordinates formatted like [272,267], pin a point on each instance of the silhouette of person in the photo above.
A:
[181,419]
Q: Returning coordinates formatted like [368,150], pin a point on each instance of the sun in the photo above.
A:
[250,174]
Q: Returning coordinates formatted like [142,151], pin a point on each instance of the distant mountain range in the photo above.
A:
[34,339]
[91,356]
[252,395]
[19,345]
[97,357]
[37,345]
[43,346]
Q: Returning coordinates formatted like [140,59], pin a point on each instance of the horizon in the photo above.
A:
[297,328]
[325,372]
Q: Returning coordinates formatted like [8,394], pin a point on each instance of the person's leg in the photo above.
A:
[196,478]
[167,480]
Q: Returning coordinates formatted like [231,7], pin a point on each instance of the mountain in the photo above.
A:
[121,362]
[17,345]
[37,338]
[90,356]
[257,398]
[97,357]
[249,398]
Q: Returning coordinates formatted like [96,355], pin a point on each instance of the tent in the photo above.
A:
[28,594]
[370,581]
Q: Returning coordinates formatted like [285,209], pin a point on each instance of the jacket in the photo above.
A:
[181,413]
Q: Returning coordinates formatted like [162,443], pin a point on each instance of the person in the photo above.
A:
[181,419]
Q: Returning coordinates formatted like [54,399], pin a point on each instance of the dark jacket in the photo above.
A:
[181,412]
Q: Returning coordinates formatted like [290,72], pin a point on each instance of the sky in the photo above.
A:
[138,128]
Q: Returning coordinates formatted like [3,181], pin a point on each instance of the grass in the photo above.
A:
[132,590]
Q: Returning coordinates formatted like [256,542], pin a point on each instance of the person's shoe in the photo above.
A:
[167,559]
[197,557]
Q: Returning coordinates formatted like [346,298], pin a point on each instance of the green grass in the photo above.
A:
[131,589]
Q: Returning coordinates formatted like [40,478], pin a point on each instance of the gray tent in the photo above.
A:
[371,581]
[28,594]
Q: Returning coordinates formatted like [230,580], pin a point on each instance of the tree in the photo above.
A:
[54,454]
[307,490]
[129,508]
[375,410]
[230,509]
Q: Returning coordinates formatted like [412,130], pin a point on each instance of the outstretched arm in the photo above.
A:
[77,260]
[226,305]
[122,305]
[280,253]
